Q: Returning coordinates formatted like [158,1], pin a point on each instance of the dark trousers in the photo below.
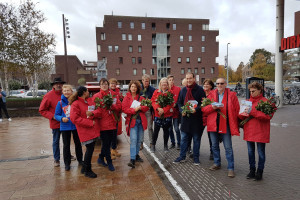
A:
[3,107]
[66,136]
[106,137]
[166,133]
[88,154]
[210,144]
[114,139]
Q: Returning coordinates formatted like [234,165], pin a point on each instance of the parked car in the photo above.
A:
[15,93]
[29,94]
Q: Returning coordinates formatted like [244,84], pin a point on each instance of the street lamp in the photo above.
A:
[66,35]
[227,66]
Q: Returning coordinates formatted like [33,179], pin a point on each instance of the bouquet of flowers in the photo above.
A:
[106,103]
[187,108]
[165,99]
[207,101]
[144,102]
[267,107]
[144,92]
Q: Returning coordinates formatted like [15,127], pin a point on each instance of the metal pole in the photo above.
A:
[227,63]
[278,54]
[65,45]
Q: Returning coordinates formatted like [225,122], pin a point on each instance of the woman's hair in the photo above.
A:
[78,93]
[160,82]
[256,85]
[210,82]
[67,86]
[113,80]
[103,80]
[137,84]
[183,82]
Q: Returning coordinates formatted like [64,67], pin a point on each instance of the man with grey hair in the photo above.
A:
[147,92]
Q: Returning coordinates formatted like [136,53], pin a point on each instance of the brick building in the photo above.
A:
[133,46]
[92,67]
[297,22]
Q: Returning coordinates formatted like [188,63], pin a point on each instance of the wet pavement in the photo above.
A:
[27,171]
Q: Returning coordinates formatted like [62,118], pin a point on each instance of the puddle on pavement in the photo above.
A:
[283,125]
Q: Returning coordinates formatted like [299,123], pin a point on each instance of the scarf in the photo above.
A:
[222,121]
[189,95]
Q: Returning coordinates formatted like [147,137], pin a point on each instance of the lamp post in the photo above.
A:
[66,35]
[227,63]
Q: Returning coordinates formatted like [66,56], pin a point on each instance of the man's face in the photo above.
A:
[146,82]
[113,85]
[171,81]
[190,79]
[57,86]
[221,85]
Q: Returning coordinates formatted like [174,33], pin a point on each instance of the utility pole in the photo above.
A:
[226,63]
[66,35]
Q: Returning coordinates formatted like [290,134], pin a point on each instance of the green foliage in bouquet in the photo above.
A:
[187,109]
[165,99]
[207,101]
[106,103]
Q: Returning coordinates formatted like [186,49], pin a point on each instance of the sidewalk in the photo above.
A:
[27,171]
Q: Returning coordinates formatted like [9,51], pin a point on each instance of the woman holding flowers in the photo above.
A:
[136,121]
[162,103]
[257,129]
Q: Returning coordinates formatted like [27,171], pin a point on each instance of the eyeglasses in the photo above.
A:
[220,83]
[252,91]
[105,84]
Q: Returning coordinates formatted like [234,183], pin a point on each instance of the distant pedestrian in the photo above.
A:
[256,130]
[88,127]
[3,105]
[67,128]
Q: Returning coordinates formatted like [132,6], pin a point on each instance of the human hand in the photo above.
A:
[160,111]
[214,107]
[65,120]
[193,110]
[89,113]
[137,108]
[183,114]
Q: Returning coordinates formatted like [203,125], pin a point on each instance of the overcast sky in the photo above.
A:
[245,24]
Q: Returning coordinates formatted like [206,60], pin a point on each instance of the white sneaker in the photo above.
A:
[9,119]
[0,120]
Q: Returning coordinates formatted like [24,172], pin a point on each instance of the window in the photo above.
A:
[116,48]
[205,27]
[190,38]
[181,38]
[132,25]
[199,59]
[144,71]
[191,49]
[174,27]
[118,71]
[140,49]
[202,70]
[152,71]
[182,70]
[139,37]
[130,49]
[98,48]
[140,60]
[189,70]
[181,49]
[103,36]
[129,36]
[109,48]
[153,26]
[134,71]
[154,61]
[190,27]
[203,49]
[120,60]
[133,60]
[179,59]
[187,59]
[203,38]
[143,25]
[196,70]
[168,26]
[212,70]
[123,36]
[119,24]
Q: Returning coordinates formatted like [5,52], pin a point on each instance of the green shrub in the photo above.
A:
[44,85]
[14,85]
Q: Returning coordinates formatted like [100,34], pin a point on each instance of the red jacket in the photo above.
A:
[85,127]
[131,111]
[120,97]
[204,117]
[108,121]
[168,110]
[232,112]
[175,90]
[48,106]
[258,128]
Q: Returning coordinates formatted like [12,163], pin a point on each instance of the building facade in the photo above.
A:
[133,46]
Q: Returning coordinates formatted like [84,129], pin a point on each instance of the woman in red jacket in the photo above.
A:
[256,130]
[108,123]
[136,121]
[87,127]
[166,112]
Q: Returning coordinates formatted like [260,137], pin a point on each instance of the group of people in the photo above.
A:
[80,115]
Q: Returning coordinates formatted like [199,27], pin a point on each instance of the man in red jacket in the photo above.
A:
[222,121]
[47,110]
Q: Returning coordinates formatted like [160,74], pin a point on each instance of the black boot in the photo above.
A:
[138,158]
[131,163]
[89,173]
[251,173]
[259,175]
[83,168]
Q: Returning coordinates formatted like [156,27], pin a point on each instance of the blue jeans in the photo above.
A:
[261,154]
[55,144]
[176,127]
[136,135]
[185,138]
[227,145]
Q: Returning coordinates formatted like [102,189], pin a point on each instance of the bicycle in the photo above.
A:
[276,99]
